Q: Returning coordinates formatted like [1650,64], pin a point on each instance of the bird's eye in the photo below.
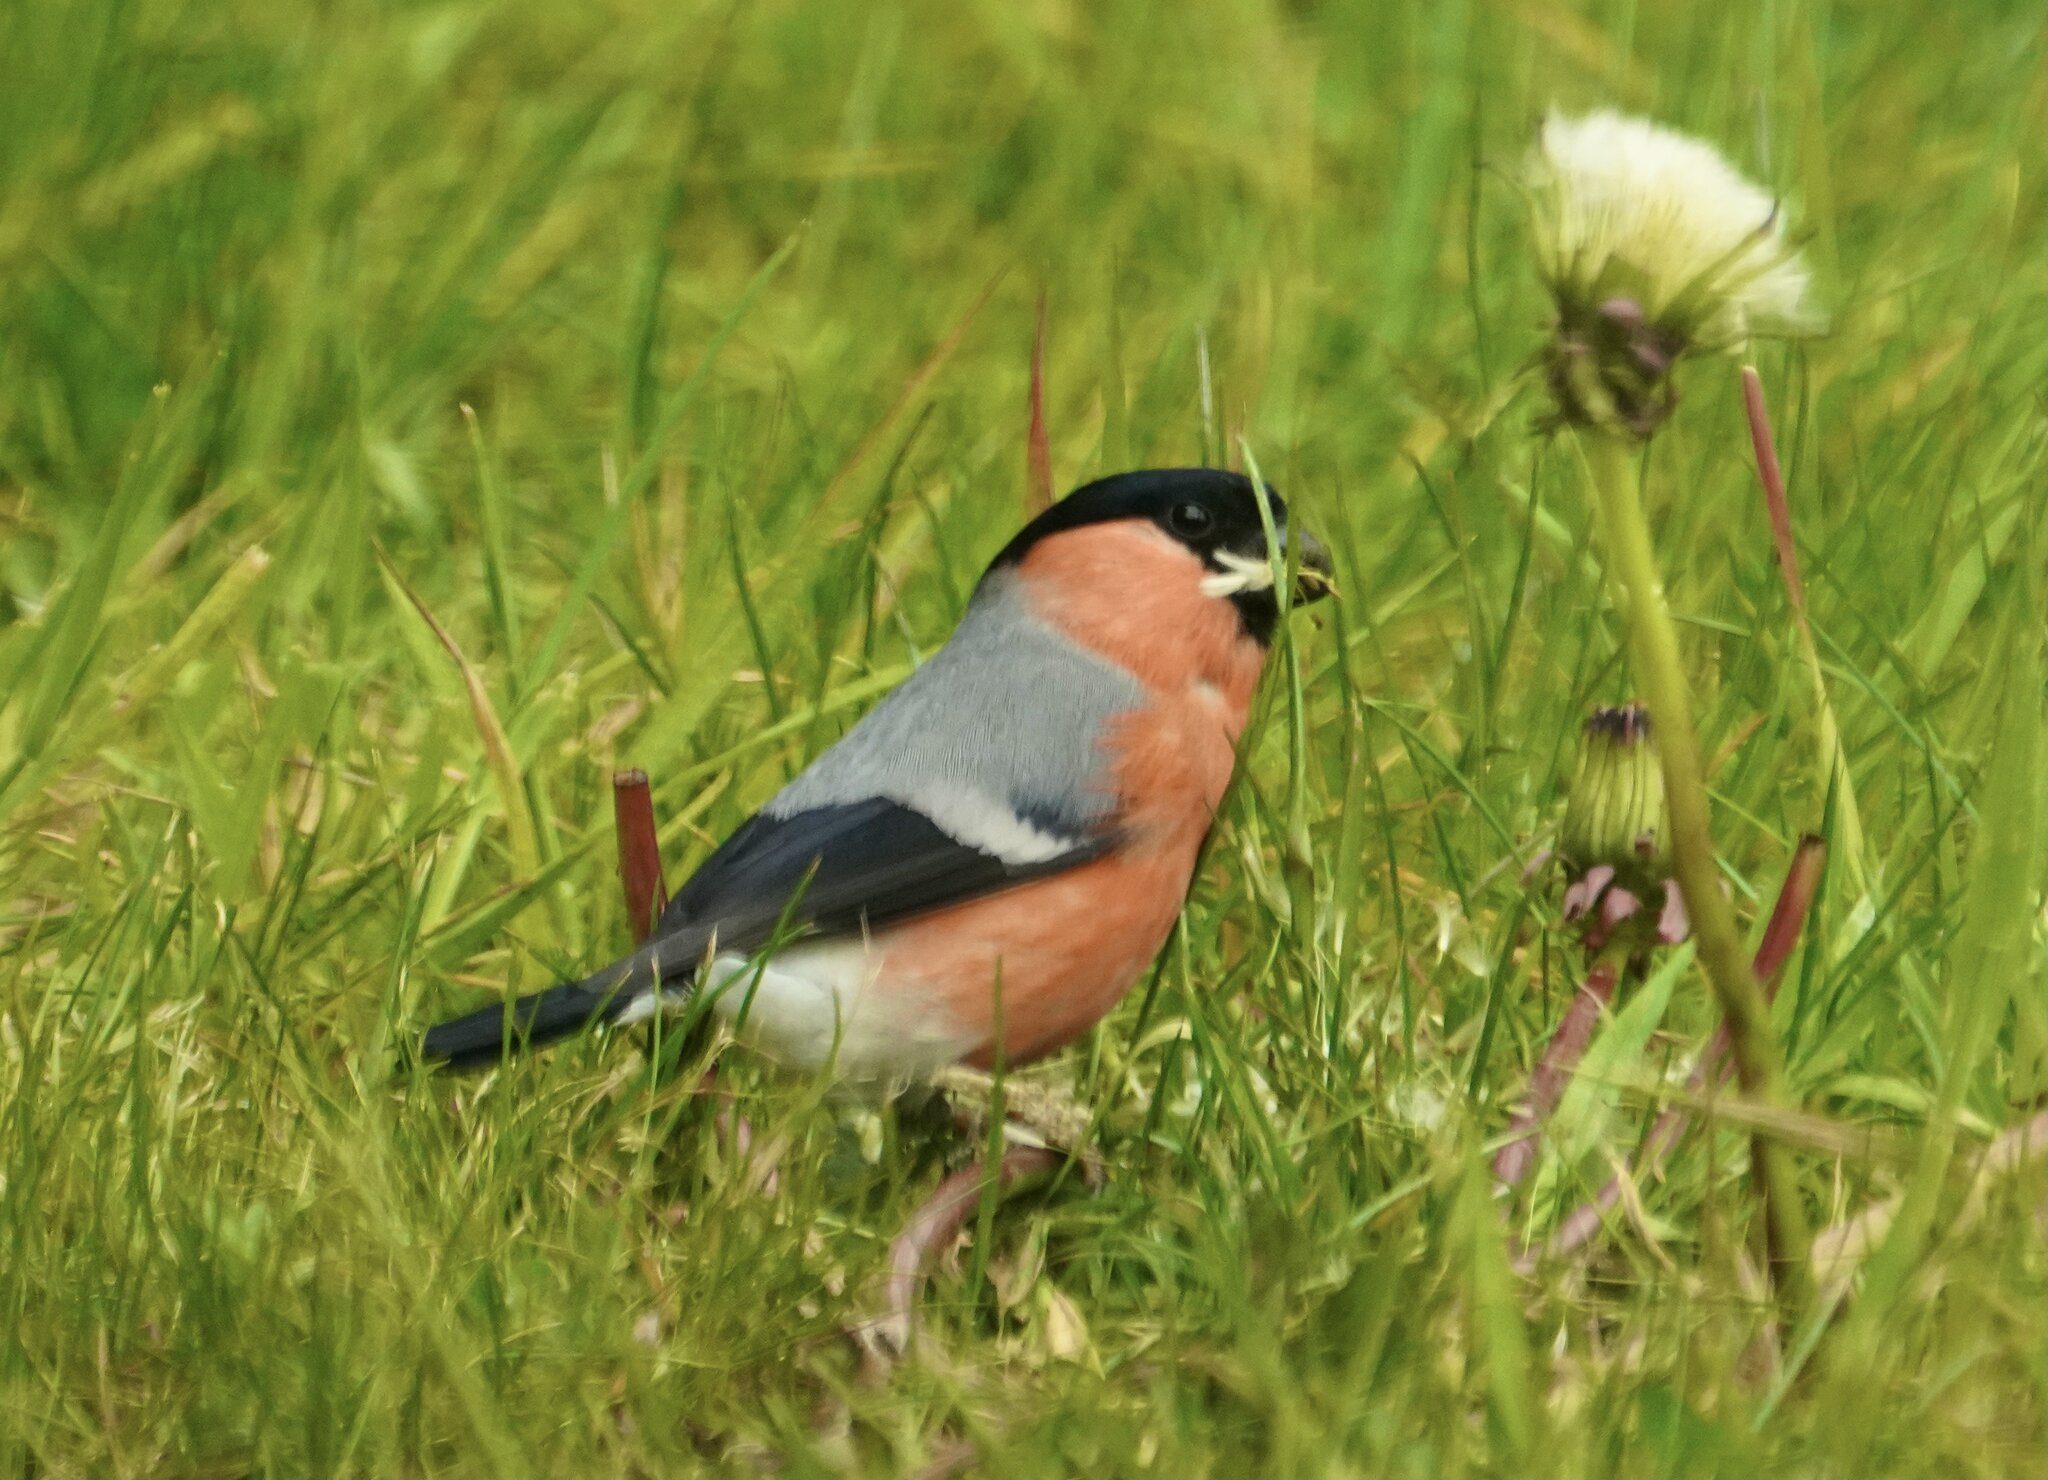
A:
[1191,520]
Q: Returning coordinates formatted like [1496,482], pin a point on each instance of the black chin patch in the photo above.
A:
[1259,612]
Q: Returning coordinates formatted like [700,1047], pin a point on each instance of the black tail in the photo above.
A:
[490,1033]
[481,1038]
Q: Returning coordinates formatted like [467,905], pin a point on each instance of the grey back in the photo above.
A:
[1008,716]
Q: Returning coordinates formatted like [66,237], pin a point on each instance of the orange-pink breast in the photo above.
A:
[1062,950]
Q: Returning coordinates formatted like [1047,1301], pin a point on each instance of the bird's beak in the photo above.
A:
[1252,569]
[1313,571]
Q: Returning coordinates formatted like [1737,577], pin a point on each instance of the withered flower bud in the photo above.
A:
[1614,814]
[1615,839]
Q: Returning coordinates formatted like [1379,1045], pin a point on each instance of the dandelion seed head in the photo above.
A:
[1653,247]
[1628,209]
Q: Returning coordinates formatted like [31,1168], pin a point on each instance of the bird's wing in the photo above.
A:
[989,766]
[838,869]
[832,870]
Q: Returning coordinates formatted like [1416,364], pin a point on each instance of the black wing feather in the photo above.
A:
[859,864]
[846,867]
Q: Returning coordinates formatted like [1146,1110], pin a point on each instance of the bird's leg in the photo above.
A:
[1042,1127]
[931,1229]
[1034,1113]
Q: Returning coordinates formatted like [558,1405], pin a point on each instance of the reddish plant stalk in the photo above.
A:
[1772,477]
[646,897]
[1554,1070]
[639,853]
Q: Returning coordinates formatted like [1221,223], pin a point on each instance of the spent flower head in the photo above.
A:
[1653,246]
[1615,840]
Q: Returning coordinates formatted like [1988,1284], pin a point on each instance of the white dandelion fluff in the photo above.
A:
[1653,246]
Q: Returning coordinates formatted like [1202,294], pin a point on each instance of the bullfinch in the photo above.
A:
[1007,837]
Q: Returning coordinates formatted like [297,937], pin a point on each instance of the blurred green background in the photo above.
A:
[675,359]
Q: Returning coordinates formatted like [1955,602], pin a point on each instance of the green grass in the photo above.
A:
[740,299]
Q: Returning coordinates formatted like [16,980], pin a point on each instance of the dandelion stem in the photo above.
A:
[1613,465]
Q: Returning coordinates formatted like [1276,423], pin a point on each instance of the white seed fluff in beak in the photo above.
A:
[1240,573]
